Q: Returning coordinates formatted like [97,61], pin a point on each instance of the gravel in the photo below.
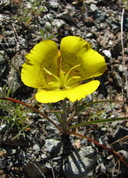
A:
[42,151]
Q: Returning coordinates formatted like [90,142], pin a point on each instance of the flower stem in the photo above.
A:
[56,114]
[64,116]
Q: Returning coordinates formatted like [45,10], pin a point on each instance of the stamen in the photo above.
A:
[70,80]
[73,78]
[74,67]
[53,85]
[64,81]
[48,72]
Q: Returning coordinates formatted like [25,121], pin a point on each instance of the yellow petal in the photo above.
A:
[52,96]
[43,55]
[74,51]
[74,94]
[82,91]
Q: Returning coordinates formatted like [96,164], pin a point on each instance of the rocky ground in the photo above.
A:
[39,151]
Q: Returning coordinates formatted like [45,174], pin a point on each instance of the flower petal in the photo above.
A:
[82,91]
[43,55]
[75,50]
[74,94]
[52,96]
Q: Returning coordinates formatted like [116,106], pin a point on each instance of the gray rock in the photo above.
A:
[51,129]
[43,9]
[52,146]
[88,98]
[2,59]
[117,79]
[36,148]
[58,22]
[3,17]
[2,126]
[48,25]
[13,77]
[114,26]
[2,69]
[123,153]
[13,151]
[54,3]
[11,42]
[90,2]
[80,163]
[93,7]
[65,16]
[70,7]
[9,33]
[48,17]
[22,41]
[102,167]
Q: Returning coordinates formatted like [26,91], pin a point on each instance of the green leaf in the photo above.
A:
[97,122]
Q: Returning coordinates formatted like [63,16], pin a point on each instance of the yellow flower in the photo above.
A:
[58,74]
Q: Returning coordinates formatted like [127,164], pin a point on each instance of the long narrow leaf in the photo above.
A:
[105,101]
[97,121]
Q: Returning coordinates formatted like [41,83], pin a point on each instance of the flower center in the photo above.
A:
[64,81]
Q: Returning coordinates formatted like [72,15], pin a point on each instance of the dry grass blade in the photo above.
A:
[122,45]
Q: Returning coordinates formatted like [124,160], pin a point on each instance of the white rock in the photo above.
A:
[107,53]
[58,22]
[48,17]
[123,153]
[48,25]
[122,68]
[36,148]
[93,7]
[54,3]
[28,5]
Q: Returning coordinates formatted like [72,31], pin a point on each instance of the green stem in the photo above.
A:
[56,114]
[64,115]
